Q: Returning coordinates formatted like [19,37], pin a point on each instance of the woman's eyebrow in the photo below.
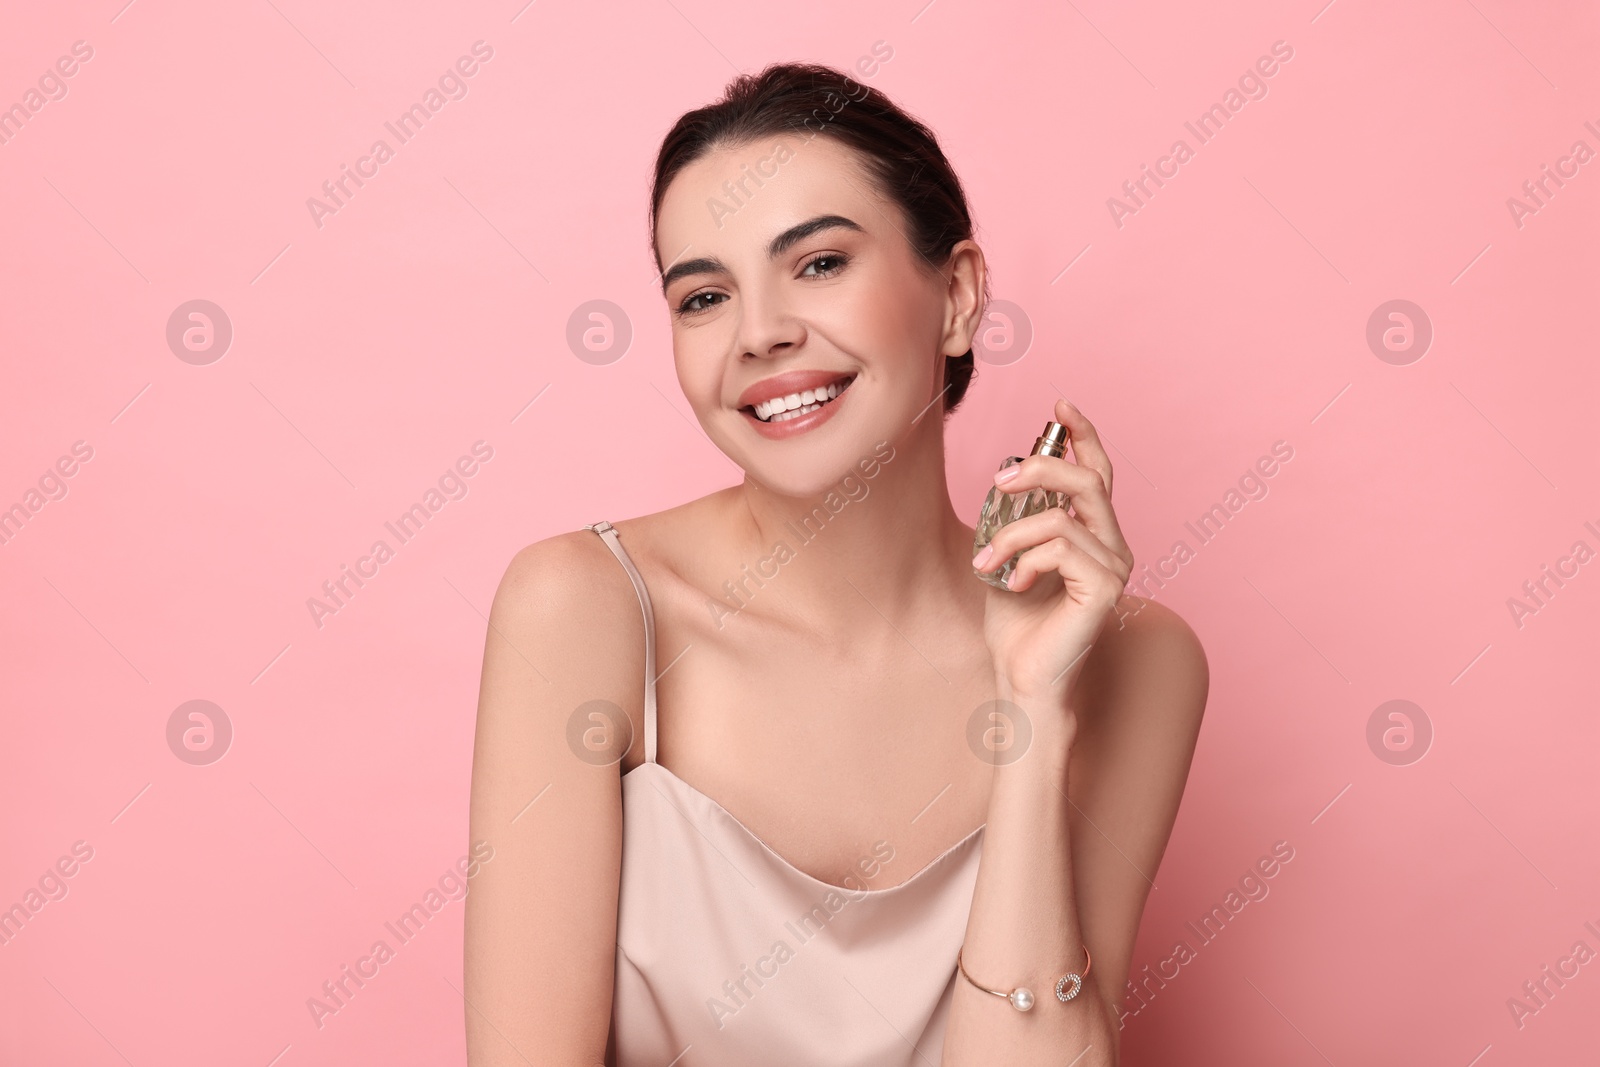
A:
[794,234]
[777,247]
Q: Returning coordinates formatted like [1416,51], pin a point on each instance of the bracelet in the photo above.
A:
[1021,997]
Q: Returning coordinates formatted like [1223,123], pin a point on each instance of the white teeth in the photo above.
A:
[781,408]
[784,416]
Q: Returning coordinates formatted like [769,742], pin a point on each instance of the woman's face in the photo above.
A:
[781,256]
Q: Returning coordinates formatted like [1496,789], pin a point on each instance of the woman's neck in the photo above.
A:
[892,535]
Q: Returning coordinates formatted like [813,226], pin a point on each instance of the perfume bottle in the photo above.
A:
[1001,507]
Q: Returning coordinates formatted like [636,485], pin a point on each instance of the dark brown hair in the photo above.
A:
[900,153]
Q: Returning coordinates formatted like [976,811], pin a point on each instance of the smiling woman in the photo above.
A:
[829,318]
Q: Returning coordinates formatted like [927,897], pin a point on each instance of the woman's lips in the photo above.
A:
[798,424]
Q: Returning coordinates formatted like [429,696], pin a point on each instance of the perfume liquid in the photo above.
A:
[1001,508]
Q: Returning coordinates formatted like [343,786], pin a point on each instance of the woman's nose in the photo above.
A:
[767,325]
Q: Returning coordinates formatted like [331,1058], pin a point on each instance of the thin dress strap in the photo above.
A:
[609,535]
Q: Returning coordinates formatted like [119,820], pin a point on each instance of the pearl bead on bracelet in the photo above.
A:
[1021,997]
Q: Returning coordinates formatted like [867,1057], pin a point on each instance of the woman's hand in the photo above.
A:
[1071,573]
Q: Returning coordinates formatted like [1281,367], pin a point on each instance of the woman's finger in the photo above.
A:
[1088,579]
[1025,534]
[1093,508]
[1086,444]
[1087,494]
[1050,472]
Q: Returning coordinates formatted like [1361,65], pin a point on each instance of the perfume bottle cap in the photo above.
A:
[1053,442]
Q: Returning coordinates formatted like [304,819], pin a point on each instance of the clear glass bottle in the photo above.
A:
[1001,507]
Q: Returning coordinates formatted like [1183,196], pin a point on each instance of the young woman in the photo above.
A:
[772,776]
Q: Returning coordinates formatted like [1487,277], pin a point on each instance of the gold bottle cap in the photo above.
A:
[1053,442]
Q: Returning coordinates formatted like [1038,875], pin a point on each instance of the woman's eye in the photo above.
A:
[820,266]
[688,307]
[837,262]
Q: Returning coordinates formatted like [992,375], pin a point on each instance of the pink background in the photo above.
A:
[1227,314]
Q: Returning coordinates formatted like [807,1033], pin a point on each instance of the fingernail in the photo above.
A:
[983,556]
[1005,475]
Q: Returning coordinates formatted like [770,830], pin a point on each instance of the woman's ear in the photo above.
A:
[964,301]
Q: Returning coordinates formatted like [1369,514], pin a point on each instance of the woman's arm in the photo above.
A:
[1114,732]
[1142,707]
[1057,874]
[1024,928]
[541,919]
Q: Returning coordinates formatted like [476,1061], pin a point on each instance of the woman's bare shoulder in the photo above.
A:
[572,571]
[673,541]
[1147,649]
[566,617]
[571,596]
